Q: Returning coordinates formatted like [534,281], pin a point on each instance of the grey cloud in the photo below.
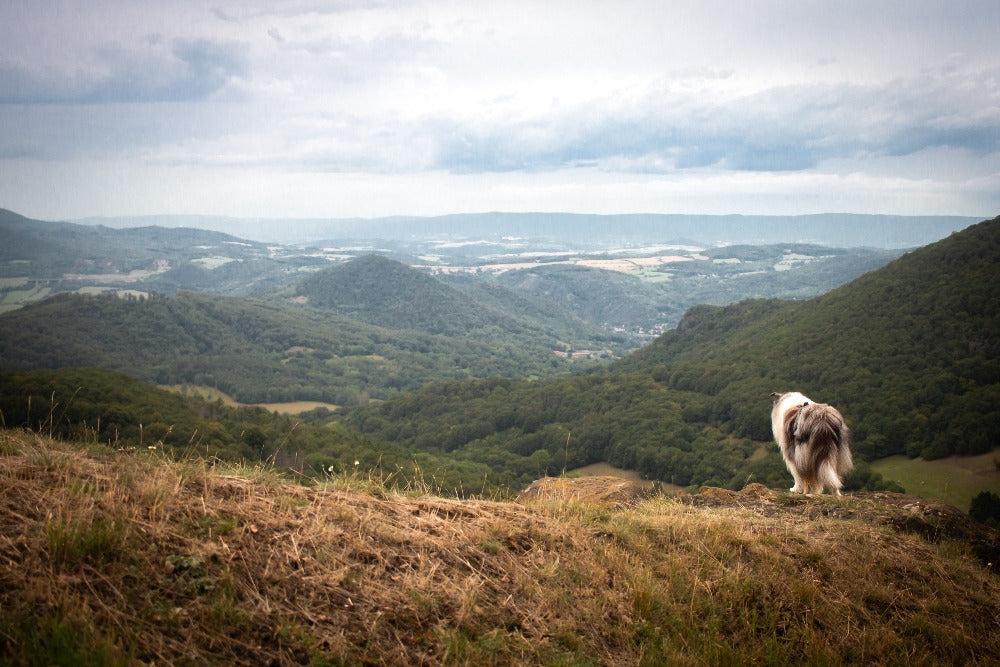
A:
[18,85]
[190,70]
[980,140]
[197,69]
[786,129]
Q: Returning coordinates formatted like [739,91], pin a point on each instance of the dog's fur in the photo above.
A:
[814,441]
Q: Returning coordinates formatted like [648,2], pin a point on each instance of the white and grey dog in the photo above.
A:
[814,441]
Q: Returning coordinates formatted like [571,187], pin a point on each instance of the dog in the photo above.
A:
[814,441]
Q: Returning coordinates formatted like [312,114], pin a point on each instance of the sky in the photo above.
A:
[364,108]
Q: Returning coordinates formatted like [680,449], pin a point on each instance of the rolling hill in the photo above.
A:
[46,250]
[908,353]
[372,327]
[567,272]
[39,258]
[569,283]
[652,297]
[386,293]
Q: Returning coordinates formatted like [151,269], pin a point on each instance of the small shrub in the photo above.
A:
[985,508]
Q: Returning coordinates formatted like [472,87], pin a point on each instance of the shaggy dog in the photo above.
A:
[814,441]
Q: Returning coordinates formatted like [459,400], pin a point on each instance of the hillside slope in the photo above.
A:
[120,559]
[909,353]
[40,258]
[652,295]
[386,293]
[381,291]
[46,250]
[258,351]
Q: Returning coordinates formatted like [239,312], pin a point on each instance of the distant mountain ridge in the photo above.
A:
[25,238]
[565,288]
[845,230]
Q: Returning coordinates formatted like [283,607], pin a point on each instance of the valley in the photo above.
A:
[648,270]
[495,361]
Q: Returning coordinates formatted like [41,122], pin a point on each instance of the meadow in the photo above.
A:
[213,394]
[955,479]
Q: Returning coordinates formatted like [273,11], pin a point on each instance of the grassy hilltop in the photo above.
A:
[116,558]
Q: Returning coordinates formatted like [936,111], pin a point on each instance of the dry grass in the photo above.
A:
[111,559]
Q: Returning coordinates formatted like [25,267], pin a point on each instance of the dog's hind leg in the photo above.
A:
[828,477]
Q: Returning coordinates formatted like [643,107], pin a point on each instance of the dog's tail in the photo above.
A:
[823,453]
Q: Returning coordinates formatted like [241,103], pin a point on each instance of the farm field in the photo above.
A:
[16,292]
[210,394]
[955,479]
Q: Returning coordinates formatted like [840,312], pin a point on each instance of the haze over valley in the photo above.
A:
[629,275]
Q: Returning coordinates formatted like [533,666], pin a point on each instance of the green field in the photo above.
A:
[211,394]
[12,298]
[955,479]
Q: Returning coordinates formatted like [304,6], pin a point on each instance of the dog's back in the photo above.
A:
[822,452]
[814,440]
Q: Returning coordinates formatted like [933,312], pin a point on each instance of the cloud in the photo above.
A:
[519,92]
[245,10]
[791,128]
[154,72]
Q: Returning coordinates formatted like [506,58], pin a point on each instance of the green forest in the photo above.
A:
[907,352]
[265,351]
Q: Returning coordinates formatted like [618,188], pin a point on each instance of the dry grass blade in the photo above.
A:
[115,560]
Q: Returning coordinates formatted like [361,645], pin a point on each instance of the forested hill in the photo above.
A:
[386,293]
[908,352]
[911,351]
[260,351]
[47,249]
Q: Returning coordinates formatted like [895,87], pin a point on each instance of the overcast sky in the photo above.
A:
[364,108]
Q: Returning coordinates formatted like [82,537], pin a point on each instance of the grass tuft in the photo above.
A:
[112,559]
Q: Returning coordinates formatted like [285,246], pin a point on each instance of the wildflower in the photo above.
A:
[151,447]
[357,463]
